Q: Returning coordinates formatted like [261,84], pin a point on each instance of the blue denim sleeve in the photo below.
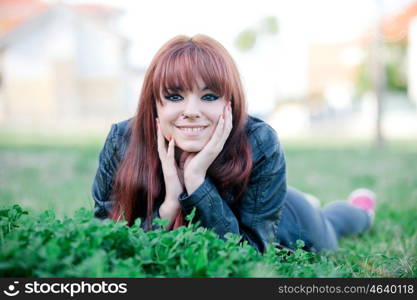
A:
[109,159]
[256,217]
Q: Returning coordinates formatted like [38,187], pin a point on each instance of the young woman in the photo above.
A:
[192,144]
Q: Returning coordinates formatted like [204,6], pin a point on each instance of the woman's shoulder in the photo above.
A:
[262,137]
[119,136]
[122,128]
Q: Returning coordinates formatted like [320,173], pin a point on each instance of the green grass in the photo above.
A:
[389,249]
[57,175]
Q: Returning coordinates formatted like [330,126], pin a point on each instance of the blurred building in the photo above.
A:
[327,105]
[339,99]
[61,65]
[333,69]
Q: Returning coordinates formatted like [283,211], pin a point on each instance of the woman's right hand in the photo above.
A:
[173,185]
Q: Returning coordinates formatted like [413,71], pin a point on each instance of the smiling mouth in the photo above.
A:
[192,131]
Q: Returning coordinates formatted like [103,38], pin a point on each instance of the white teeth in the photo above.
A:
[189,129]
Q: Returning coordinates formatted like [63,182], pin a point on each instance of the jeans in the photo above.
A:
[319,228]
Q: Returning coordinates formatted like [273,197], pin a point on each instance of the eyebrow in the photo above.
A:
[180,89]
[176,88]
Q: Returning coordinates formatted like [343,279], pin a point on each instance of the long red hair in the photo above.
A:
[139,181]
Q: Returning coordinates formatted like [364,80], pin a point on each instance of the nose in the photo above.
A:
[192,108]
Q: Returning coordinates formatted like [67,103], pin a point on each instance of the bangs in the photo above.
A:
[181,68]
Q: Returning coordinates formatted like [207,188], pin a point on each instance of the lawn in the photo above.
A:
[57,174]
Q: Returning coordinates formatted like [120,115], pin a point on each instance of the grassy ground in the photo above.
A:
[389,249]
[58,174]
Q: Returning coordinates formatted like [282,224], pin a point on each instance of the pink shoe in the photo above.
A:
[364,199]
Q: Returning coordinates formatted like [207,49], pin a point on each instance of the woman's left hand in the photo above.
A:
[197,164]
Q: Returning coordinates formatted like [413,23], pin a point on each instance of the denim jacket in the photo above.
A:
[255,217]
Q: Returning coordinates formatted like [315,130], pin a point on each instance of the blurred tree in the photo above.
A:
[380,71]
[394,55]
[247,39]
[395,66]
[269,25]
[383,70]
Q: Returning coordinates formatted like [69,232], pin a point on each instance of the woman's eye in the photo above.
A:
[210,97]
[173,97]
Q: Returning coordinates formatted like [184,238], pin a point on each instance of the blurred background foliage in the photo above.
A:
[246,40]
[395,70]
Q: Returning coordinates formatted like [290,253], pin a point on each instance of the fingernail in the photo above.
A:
[169,138]
[222,116]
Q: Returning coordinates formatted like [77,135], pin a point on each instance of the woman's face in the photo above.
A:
[190,117]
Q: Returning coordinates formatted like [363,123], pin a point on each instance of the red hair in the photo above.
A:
[139,181]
